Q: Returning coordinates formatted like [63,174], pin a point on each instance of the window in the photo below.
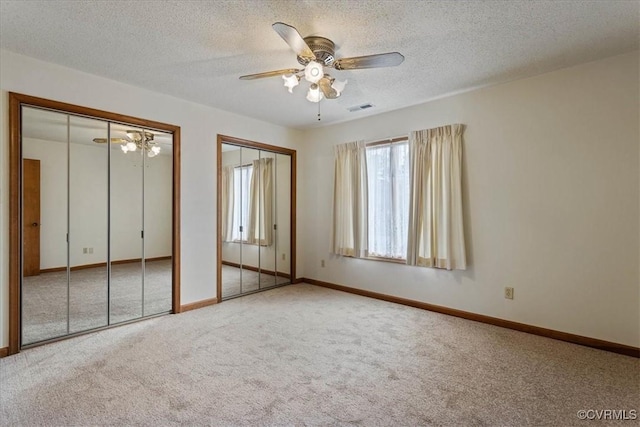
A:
[241,184]
[388,199]
[401,200]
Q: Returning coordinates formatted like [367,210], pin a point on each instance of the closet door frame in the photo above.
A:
[244,143]
[16,101]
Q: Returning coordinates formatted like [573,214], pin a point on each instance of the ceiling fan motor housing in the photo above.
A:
[323,49]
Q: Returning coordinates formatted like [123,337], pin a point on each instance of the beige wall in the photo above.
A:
[199,128]
[88,204]
[551,183]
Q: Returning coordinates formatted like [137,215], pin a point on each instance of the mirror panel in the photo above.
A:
[265,235]
[44,234]
[283,218]
[125,217]
[77,256]
[230,274]
[249,254]
[88,221]
[158,179]
[255,194]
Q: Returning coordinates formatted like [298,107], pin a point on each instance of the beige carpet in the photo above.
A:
[304,355]
[45,299]
[236,281]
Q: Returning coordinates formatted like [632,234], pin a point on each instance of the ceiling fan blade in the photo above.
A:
[390,59]
[293,38]
[327,90]
[113,140]
[270,74]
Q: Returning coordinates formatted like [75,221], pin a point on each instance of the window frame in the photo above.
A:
[389,142]
[248,187]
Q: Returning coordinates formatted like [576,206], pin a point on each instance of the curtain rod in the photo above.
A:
[387,141]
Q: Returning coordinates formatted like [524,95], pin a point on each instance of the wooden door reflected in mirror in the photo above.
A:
[45,280]
[94,237]
[31,220]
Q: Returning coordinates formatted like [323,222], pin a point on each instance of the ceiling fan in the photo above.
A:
[134,141]
[316,53]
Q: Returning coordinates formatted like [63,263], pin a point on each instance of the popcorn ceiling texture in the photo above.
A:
[196,50]
[304,355]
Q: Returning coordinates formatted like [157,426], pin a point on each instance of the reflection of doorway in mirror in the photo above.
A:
[31,217]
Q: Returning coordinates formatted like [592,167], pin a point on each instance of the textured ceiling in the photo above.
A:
[196,50]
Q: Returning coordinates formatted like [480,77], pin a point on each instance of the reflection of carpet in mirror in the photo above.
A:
[44,298]
[251,281]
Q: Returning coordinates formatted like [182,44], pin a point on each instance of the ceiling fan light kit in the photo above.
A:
[313,72]
[316,53]
[134,141]
[291,81]
[314,94]
[339,86]
[137,140]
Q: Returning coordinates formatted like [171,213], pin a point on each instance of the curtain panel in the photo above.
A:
[350,200]
[436,237]
[261,203]
[227,203]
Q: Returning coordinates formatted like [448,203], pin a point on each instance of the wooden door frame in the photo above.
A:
[292,234]
[16,101]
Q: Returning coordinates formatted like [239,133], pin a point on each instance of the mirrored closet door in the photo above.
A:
[255,205]
[97,215]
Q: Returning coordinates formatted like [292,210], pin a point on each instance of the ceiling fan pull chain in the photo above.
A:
[318,110]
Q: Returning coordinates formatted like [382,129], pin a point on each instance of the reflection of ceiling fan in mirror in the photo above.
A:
[315,54]
[134,141]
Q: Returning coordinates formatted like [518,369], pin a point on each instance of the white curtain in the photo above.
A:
[261,203]
[436,237]
[350,200]
[228,203]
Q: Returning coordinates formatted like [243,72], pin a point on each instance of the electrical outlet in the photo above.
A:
[508,293]
[85,250]
[283,257]
[90,250]
[322,263]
